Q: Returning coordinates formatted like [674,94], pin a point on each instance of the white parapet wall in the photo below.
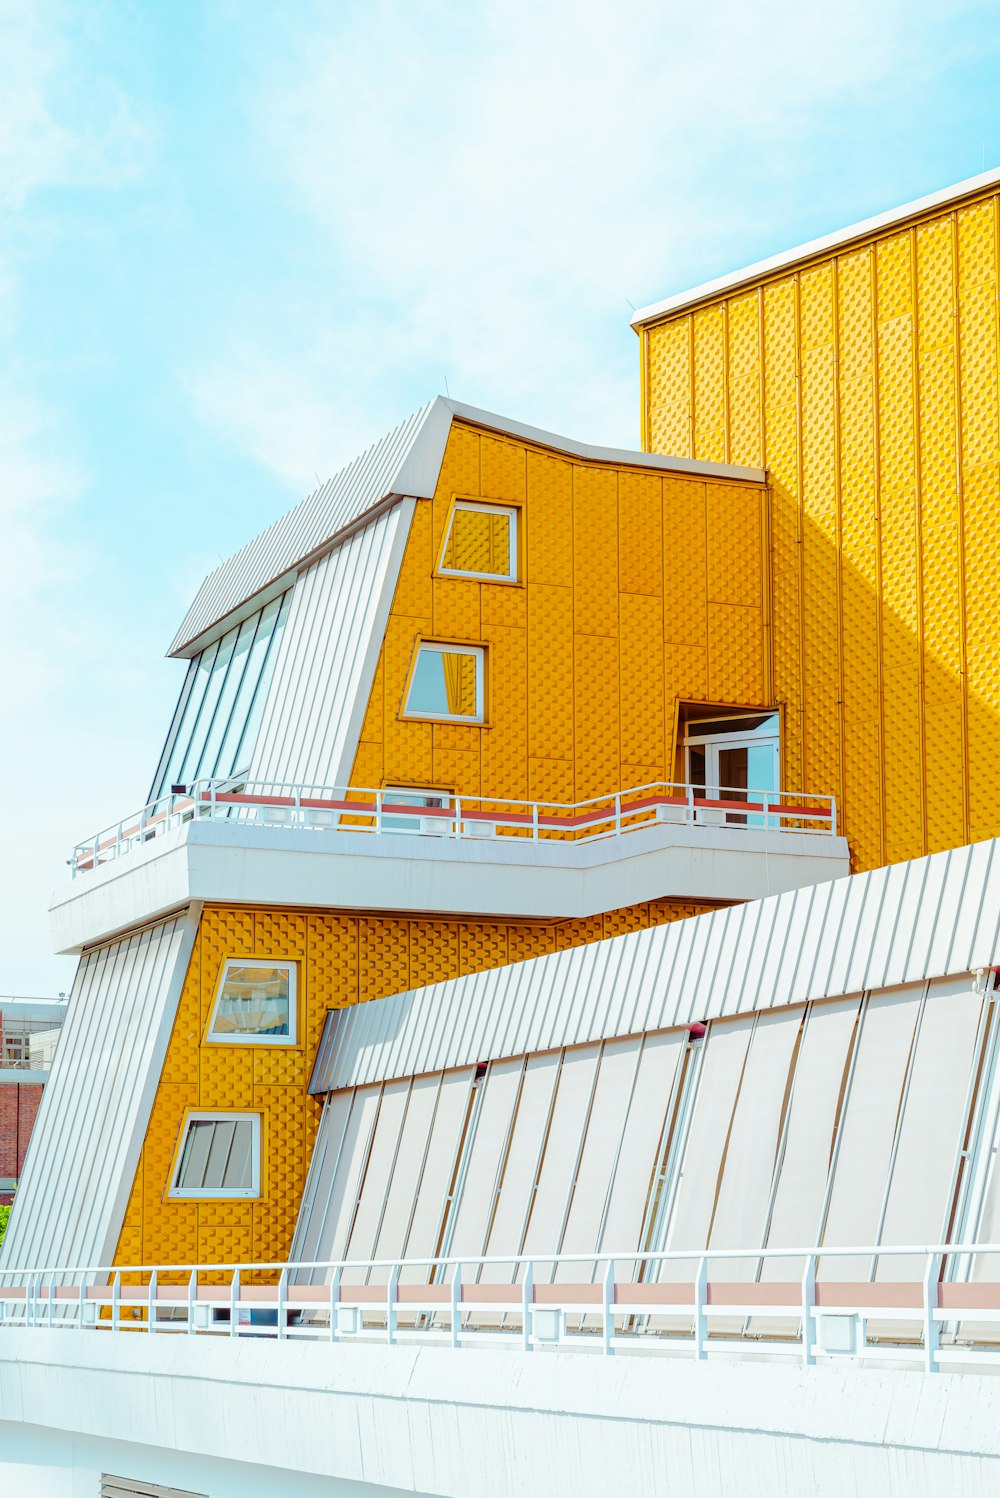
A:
[290,1420]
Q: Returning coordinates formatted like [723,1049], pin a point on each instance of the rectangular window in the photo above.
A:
[411,821]
[216,721]
[481,541]
[255,1003]
[132,1487]
[447,682]
[219,1156]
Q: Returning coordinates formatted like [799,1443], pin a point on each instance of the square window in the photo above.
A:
[447,682]
[255,1004]
[481,541]
[219,1156]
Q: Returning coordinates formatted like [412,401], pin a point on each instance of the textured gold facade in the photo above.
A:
[866,382]
[342,958]
[638,589]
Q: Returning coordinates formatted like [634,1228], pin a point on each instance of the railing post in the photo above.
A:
[534,820]
[689,793]
[833,816]
[808,1302]
[932,1327]
[618,813]
[608,1328]
[391,1291]
[456,1307]
[458,816]
[83,1301]
[116,1299]
[527,1314]
[378,823]
[334,1305]
[282,1297]
[151,1304]
[192,1301]
[234,1302]
[700,1286]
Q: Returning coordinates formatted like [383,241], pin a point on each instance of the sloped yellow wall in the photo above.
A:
[866,381]
[341,959]
[638,589]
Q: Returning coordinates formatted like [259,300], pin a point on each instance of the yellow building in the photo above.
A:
[489,694]
[862,372]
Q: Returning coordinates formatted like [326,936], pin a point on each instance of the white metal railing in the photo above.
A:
[361,809]
[603,1303]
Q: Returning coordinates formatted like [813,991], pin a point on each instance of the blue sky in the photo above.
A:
[239,240]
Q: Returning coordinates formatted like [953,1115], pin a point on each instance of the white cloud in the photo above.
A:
[495,181]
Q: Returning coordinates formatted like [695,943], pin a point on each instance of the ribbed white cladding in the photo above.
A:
[397,464]
[327,657]
[924,919]
[95,1108]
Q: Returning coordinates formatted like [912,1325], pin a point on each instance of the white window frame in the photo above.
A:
[510,576]
[291,1038]
[453,648]
[177,1192]
[432,826]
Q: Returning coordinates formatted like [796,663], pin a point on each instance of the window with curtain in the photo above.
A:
[447,682]
[215,724]
[481,541]
[255,1004]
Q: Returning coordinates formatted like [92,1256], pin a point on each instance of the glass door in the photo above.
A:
[733,759]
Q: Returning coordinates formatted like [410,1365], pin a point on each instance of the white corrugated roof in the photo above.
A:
[838,240]
[404,463]
[932,917]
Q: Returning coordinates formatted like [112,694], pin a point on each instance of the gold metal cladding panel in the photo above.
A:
[643,702]
[735,655]
[551,780]
[781,428]
[596,735]
[595,560]
[504,752]
[685,672]
[821,671]
[709,334]
[885,515]
[744,373]
[503,469]
[640,533]
[685,562]
[414,594]
[734,532]
[980,457]
[550,684]
[456,609]
[904,832]
[670,389]
[548,521]
[861,810]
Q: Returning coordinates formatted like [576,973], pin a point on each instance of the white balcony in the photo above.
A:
[349,848]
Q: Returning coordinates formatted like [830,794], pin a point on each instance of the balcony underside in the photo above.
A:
[332,868]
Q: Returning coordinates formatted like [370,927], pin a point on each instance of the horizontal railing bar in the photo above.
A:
[600,1256]
[616,812]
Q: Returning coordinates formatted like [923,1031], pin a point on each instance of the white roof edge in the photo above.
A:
[595,454]
[841,238]
[414,476]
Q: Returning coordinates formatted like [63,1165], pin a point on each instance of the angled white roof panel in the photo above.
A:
[406,463]
[839,240]
[734,961]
